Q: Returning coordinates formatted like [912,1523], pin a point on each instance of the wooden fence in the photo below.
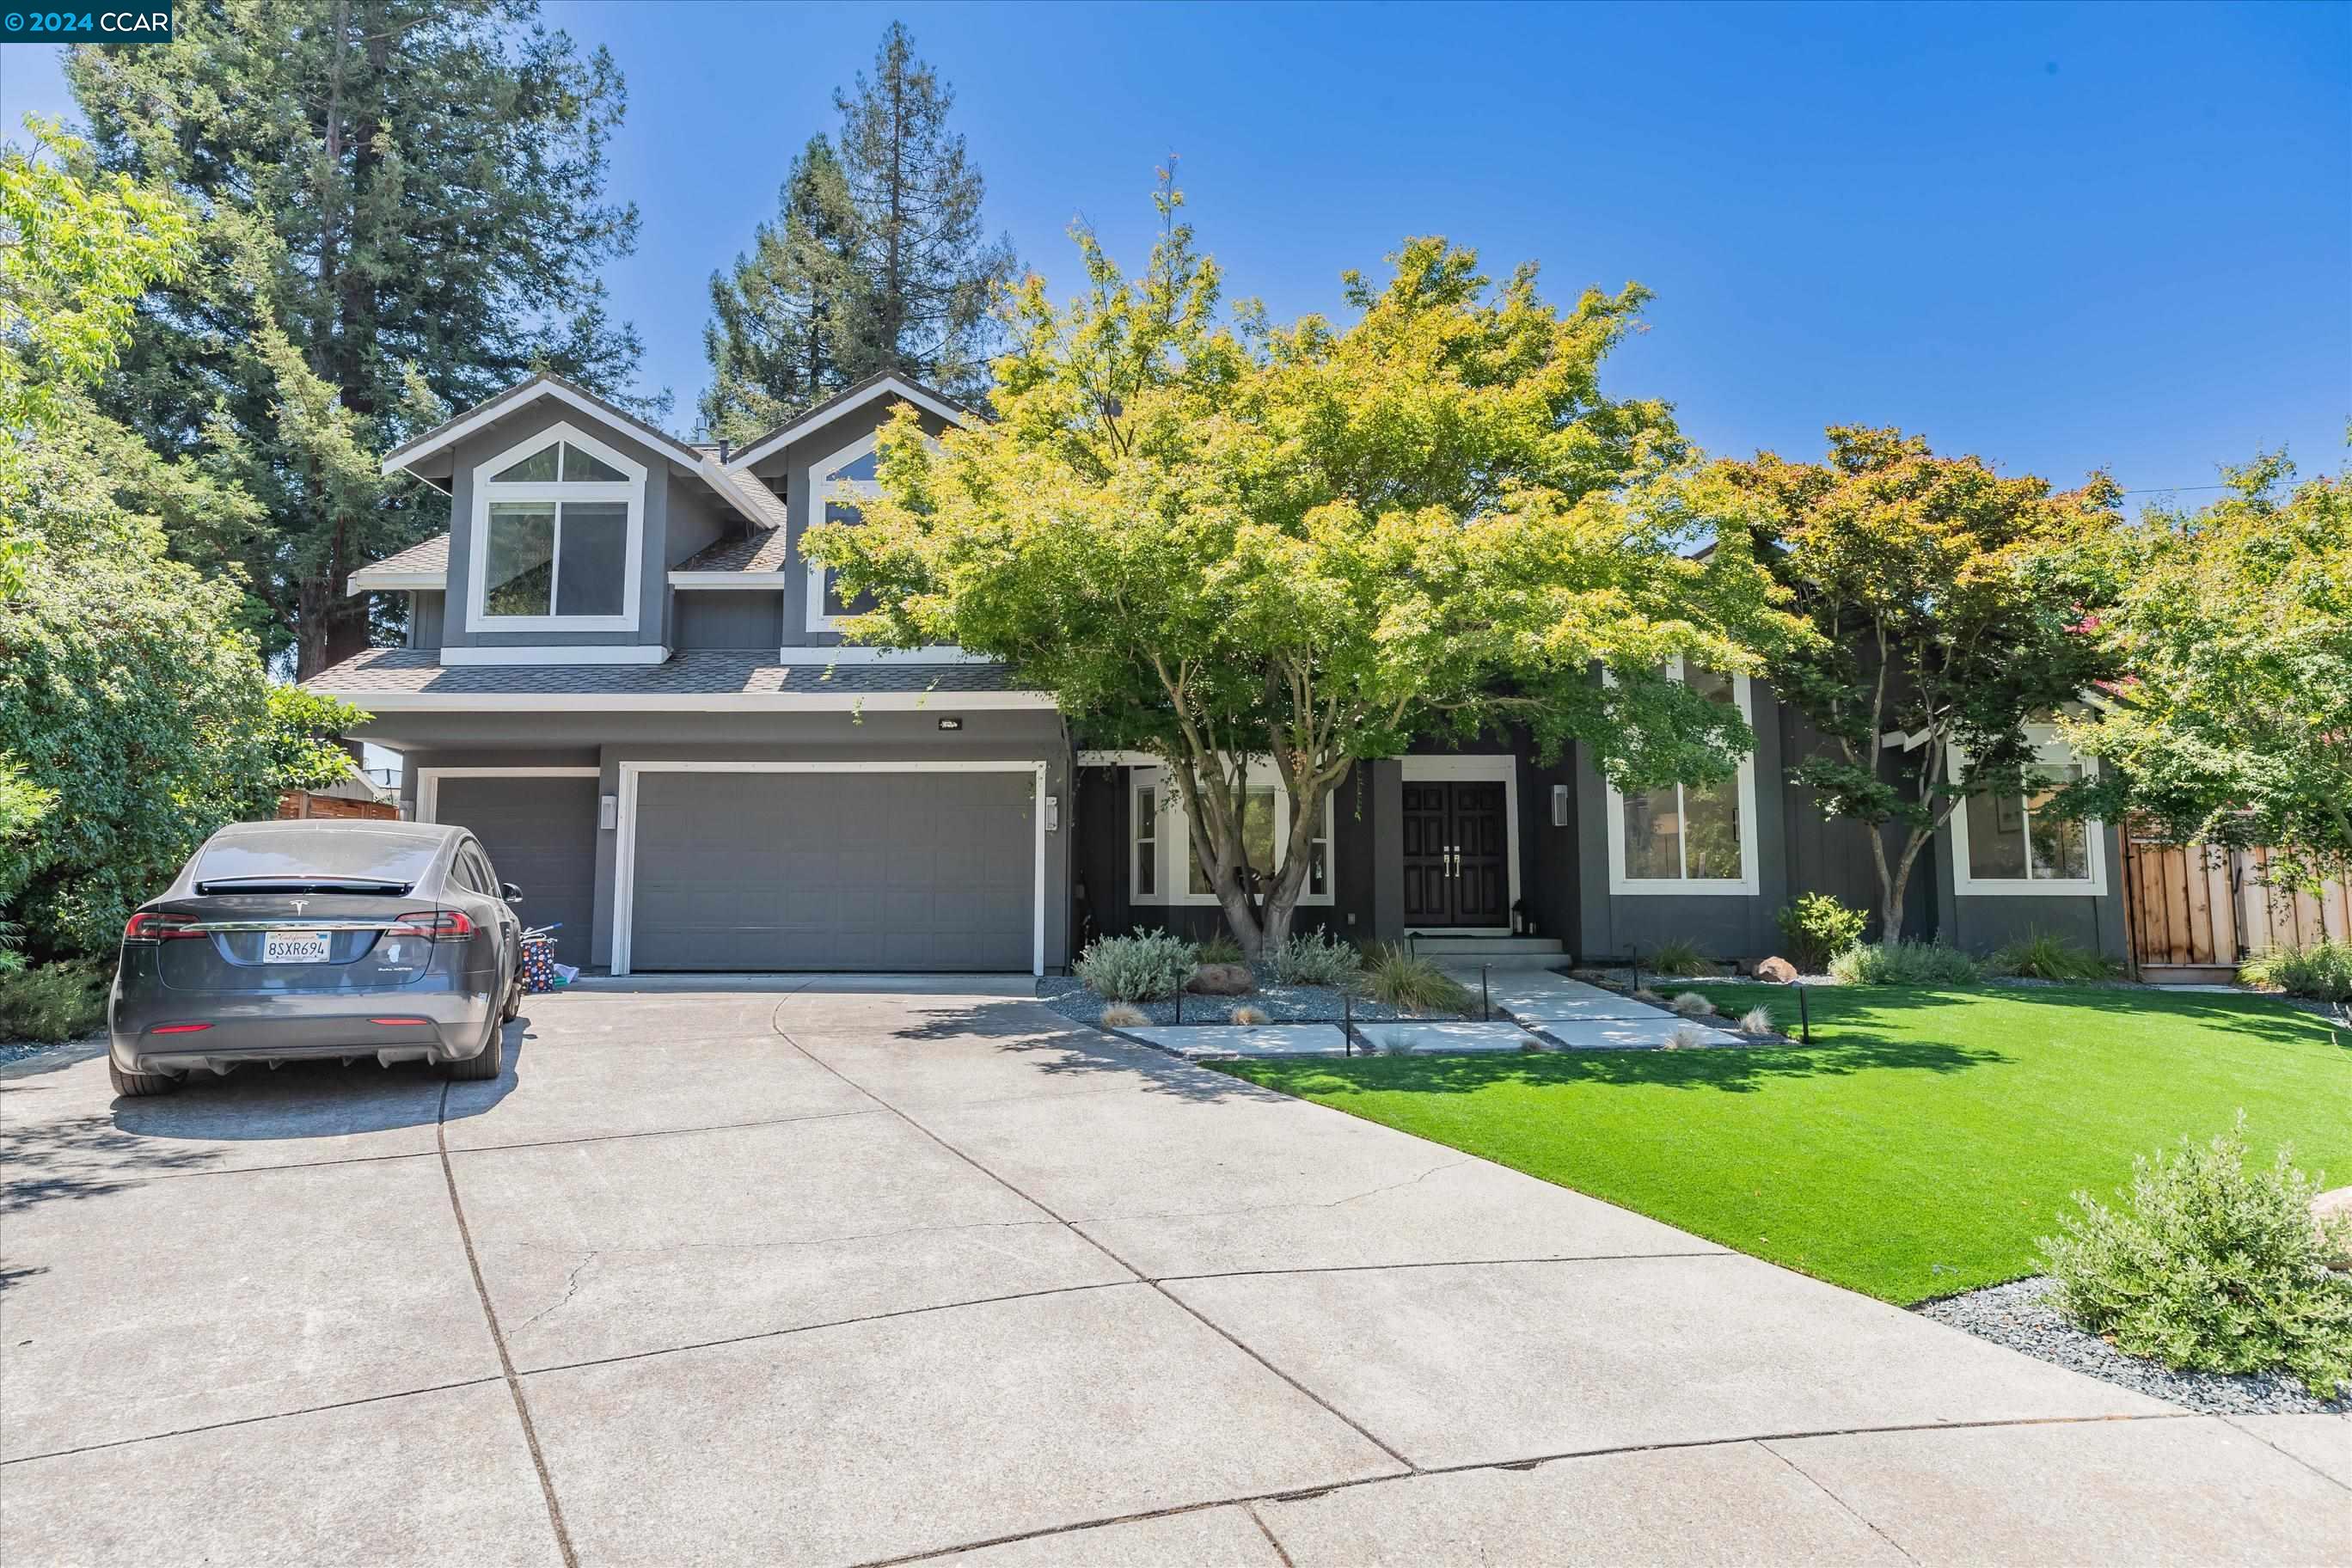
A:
[302,802]
[2196,905]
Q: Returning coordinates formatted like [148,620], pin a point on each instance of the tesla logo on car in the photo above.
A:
[301,904]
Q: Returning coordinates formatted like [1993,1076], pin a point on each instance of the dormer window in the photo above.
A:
[850,475]
[558,530]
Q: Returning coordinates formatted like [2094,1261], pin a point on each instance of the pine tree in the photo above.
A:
[403,212]
[926,271]
[772,338]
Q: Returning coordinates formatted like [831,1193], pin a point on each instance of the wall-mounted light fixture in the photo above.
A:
[608,811]
[1053,813]
[1559,806]
[951,723]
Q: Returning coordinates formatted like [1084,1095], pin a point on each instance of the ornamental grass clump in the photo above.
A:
[2042,955]
[1393,975]
[1691,1005]
[1148,966]
[2209,1266]
[1311,958]
[1220,948]
[1681,959]
[1904,964]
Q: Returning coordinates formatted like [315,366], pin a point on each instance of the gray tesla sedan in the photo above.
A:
[293,941]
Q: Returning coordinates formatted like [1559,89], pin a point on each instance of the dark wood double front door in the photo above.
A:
[1458,845]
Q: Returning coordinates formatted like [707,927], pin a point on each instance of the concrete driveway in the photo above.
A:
[865,1274]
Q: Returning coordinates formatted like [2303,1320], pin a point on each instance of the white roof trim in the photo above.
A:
[499,408]
[889,387]
[380,702]
[729,579]
[368,580]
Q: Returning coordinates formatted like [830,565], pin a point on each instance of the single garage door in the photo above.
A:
[541,835]
[835,871]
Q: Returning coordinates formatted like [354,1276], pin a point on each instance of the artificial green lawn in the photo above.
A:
[1919,1147]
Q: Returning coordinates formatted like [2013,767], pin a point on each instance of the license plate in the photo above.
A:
[294,947]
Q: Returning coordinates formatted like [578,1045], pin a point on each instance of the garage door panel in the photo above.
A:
[540,833]
[847,870]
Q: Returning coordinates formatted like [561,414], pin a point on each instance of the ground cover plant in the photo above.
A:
[1921,1146]
[1312,958]
[2208,1264]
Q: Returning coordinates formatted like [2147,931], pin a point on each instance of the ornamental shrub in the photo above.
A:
[1680,958]
[2209,1266]
[2322,970]
[1904,964]
[52,1001]
[1312,958]
[1817,927]
[1148,966]
[1405,981]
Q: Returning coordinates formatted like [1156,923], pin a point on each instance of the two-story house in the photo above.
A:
[621,674]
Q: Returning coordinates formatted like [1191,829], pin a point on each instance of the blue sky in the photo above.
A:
[2062,237]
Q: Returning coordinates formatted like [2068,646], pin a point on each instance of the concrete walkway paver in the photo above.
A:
[1582,1016]
[862,1272]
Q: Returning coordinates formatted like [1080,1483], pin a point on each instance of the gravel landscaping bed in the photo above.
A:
[1068,995]
[2016,1315]
[18,1050]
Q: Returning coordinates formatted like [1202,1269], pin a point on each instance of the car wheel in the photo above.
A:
[486,1063]
[138,1085]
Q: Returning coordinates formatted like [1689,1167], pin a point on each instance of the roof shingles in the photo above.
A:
[389,670]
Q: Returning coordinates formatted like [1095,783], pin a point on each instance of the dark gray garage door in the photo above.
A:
[858,870]
[541,835]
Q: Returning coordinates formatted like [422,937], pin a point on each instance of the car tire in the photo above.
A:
[139,1085]
[513,1008]
[486,1063]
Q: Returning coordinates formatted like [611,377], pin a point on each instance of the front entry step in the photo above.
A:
[1497,952]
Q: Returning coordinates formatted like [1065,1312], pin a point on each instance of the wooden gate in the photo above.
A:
[2181,903]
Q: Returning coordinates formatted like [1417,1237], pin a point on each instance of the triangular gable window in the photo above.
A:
[577,467]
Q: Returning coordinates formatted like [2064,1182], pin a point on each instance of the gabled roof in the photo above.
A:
[763,552]
[408,454]
[882,383]
[424,565]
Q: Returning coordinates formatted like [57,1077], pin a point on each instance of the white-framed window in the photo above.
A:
[838,484]
[558,530]
[1163,834]
[1690,839]
[2007,845]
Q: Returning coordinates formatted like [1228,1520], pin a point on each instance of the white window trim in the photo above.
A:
[428,782]
[1175,838]
[458,657]
[631,491]
[1490,767]
[624,853]
[2047,748]
[838,491]
[1749,882]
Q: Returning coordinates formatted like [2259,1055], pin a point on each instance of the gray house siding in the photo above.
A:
[425,613]
[653,557]
[1980,923]
[732,619]
[794,467]
[605,740]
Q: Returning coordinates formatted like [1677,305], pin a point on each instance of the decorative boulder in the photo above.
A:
[2331,1211]
[1222,980]
[1779,970]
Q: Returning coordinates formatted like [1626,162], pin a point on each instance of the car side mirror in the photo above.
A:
[514,894]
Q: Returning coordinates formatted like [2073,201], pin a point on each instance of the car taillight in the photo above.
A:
[178,1029]
[432,924]
[156,925]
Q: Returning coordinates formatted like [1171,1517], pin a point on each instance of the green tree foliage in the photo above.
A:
[1950,608]
[403,202]
[135,719]
[925,270]
[1314,542]
[774,337]
[2235,724]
